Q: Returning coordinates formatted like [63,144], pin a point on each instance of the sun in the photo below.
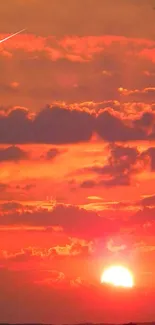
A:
[118,276]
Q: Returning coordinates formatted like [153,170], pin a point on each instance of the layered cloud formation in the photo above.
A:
[58,125]
[77,159]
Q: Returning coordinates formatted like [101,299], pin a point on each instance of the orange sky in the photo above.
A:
[77,155]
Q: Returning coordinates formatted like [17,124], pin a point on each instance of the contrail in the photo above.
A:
[6,38]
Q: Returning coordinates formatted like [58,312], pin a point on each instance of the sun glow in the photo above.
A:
[118,276]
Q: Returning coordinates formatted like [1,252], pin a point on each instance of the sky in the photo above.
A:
[77,159]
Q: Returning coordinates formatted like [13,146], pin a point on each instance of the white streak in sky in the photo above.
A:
[6,38]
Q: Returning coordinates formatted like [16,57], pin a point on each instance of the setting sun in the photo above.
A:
[118,276]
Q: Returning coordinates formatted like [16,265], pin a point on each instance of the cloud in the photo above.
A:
[53,284]
[145,122]
[111,127]
[151,154]
[83,69]
[55,277]
[148,200]
[115,248]
[55,92]
[59,280]
[123,164]
[51,125]
[144,95]
[11,206]
[78,222]
[74,249]
[63,126]
[145,216]
[60,125]
[24,255]
[52,153]
[12,153]
[144,247]
[3,187]
[113,182]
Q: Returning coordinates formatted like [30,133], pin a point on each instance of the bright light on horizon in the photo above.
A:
[118,276]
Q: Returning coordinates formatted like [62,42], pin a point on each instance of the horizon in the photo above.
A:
[87,323]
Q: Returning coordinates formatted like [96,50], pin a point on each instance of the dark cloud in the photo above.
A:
[75,221]
[57,125]
[11,206]
[62,126]
[123,163]
[145,121]
[120,180]
[88,184]
[145,216]
[51,125]
[12,153]
[148,201]
[3,187]
[28,187]
[112,127]
[152,134]
[78,223]
[52,153]
[151,154]
[19,127]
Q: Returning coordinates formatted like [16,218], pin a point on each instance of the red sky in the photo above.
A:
[77,155]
